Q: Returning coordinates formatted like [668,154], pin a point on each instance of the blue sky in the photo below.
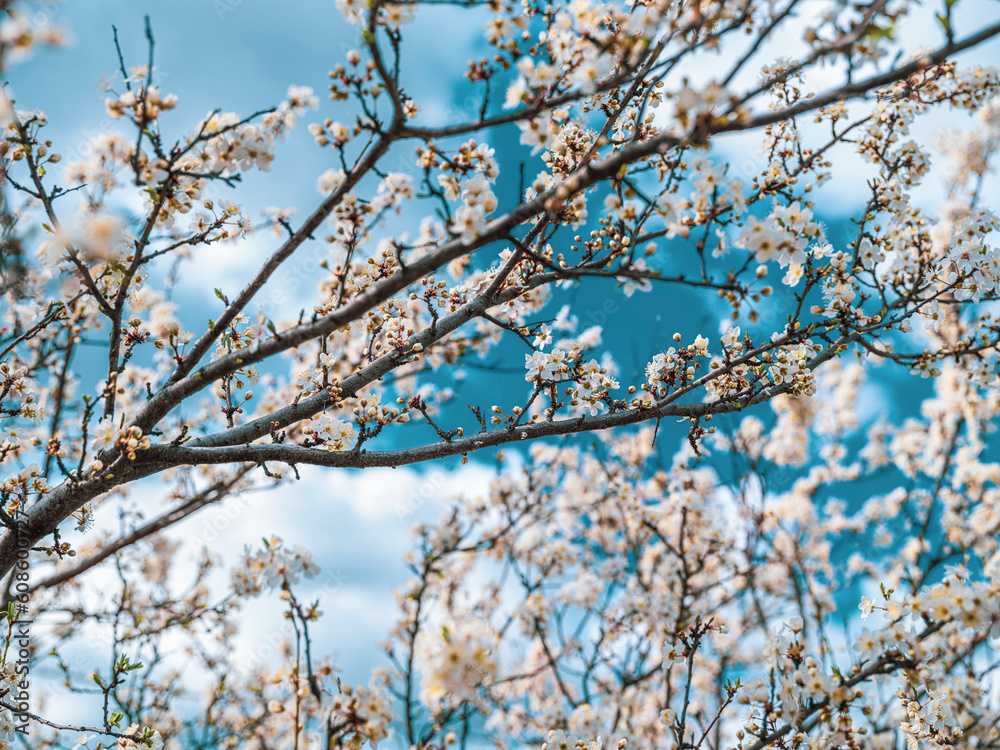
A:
[242,56]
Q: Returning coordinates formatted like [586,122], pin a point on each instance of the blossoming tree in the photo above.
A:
[688,603]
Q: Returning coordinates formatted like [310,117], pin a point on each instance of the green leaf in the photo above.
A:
[97,679]
[944,21]
[880,32]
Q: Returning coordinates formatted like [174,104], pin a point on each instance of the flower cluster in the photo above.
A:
[478,199]
[693,105]
[20,33]
[230,144]
[132,738]
[593,383]
[782,236]
[127,439]
[142,105]
[456,661]
[929,722]
[15,489]
[361,715]
[592,380]
[973,268]
[271,567]
[329,431]
[672,368]
[789,365]
[8,726]
[16,384]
